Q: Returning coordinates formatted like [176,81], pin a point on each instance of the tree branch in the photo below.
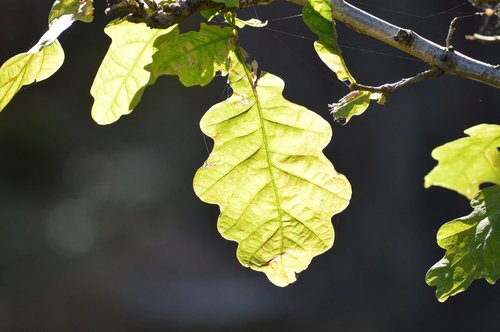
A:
[162,17]
[447,60]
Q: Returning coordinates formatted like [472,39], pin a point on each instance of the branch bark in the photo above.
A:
[447,60]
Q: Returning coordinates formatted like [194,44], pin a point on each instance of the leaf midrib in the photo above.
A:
[266,145]
[129,75]
[17,81]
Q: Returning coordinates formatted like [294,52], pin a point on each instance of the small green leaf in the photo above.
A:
[354,103]
[276,190]
[26,68]
[472,246]
[78,10]
[317,14]
[195,56]
[465,163]
[122,77]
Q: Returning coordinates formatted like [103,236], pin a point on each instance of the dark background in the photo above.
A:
[100,229]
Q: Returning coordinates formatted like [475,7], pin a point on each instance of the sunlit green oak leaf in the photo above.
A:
[354,103]
[47,56]
[26,68]
[317,14]
[62,15]
[122,77]
[472,246]
[195,57]
[465,163]
[276,190]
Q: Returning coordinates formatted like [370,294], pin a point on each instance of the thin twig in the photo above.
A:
[453,28]
[451,31]
[388,88]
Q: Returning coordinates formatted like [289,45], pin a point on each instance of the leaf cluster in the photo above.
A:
[276,190]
